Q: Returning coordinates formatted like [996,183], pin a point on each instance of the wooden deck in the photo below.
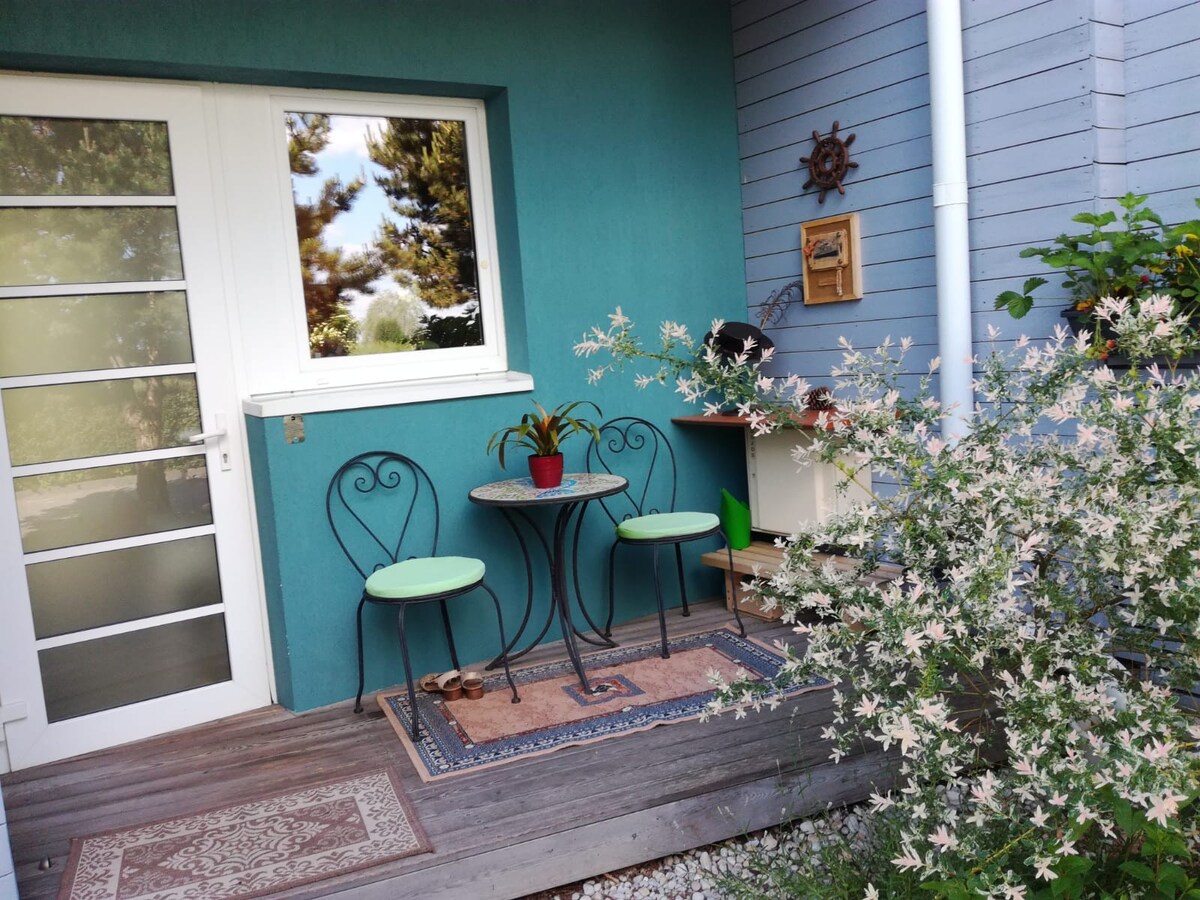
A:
[499,833]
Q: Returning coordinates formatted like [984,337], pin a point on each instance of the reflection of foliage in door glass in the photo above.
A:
[97,418]
[83,506]
[83,157]
[88,245]
[387,243]
[42,335]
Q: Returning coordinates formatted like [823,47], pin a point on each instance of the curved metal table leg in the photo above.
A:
[504,659]
[561,596]
[516,639]
[605,637]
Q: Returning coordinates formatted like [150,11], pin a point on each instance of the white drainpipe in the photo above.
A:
[943,20]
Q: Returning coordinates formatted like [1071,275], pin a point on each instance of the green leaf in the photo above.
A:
[1032,284]
[1140,871]
[1067,887]
[1169,873]
[952,890]
[1016,304]
[1098,220]
[1123,815]
[1074,865]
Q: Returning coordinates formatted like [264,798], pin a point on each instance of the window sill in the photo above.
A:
[264,406]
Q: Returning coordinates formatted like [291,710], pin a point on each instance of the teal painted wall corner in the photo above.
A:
[615,165]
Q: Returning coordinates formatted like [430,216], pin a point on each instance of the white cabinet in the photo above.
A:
[783,495]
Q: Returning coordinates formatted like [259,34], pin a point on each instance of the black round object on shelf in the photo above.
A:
[730,341]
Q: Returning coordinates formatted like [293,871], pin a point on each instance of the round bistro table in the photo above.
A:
[514,498]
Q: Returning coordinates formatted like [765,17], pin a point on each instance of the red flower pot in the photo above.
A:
[546,471]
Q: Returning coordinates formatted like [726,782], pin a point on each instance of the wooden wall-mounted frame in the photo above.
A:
[832,263]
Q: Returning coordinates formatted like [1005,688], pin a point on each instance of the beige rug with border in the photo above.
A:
[250,849]
[636,690]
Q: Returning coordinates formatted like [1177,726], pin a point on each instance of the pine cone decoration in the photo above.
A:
[819,398]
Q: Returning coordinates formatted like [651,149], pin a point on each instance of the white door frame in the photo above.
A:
[30,738]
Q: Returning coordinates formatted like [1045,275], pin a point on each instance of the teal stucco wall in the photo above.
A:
[614,151]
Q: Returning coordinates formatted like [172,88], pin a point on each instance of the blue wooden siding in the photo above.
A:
[1045,85]
[799,67]
[1162,83]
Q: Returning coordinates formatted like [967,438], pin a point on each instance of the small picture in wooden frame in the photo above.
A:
[832,265]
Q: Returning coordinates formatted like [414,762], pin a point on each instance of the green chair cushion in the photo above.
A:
[666,525]
[422,577]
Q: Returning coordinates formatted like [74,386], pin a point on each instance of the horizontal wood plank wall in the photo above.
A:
[799,66]
[1031,98]
[1162,83]
[1034,85]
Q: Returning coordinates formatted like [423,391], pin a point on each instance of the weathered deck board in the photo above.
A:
[499,833]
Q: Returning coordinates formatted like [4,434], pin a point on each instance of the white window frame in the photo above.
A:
[250,141]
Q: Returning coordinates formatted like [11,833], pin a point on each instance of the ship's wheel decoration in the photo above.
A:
[829,163]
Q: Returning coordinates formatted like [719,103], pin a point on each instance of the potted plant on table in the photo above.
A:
[543,432]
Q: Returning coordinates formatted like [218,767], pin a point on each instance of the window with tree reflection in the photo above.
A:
[386,233]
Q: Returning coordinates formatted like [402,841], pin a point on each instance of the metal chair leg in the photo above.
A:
[503,655]
[415,730]
[733,591]
[612,586]
[449,635]
[682,583]
[361,676]
[662,617]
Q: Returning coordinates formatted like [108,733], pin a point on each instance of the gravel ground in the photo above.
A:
[694,875]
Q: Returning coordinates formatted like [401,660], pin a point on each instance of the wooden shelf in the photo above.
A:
[804,419]
[764,558]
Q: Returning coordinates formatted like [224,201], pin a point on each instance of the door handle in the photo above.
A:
[220,434]
[206,436]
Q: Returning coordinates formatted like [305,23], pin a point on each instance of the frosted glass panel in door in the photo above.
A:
[114,671]
[88,245]
[99,589]
[80,157]
[97,418]
[89,505]
[41,335]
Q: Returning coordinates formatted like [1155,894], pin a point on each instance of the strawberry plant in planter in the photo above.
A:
[1139,258]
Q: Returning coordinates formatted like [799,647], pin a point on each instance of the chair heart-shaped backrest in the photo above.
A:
[638,450]
[382,508]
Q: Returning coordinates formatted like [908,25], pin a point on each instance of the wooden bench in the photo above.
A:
[764,559]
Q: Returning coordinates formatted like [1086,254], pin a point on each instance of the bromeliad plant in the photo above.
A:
[542,432]
[1027,669]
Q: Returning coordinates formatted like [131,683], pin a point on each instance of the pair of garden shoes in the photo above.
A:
[454,685]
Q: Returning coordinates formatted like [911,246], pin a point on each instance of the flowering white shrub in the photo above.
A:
[1056,536]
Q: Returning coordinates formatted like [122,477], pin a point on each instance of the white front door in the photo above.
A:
[129,600]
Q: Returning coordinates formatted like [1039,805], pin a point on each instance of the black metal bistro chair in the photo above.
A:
[644,515]
[382,506]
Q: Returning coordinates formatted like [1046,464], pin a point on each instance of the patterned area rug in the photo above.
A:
[250,849]
[636,690]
